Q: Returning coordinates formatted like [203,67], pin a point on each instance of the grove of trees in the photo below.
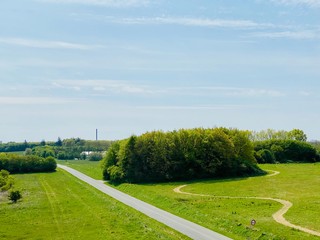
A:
[181,155]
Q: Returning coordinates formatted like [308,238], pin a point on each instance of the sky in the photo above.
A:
[69,67]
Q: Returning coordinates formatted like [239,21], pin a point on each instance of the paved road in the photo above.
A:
[187,228]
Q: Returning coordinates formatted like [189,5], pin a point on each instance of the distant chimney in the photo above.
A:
[96,134]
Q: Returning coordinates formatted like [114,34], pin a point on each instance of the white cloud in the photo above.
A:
[107,3]
[34,100]
[298,35]
[198,22]
[310,3]
[45,44]
[234,91]
[196,107]
[101,85]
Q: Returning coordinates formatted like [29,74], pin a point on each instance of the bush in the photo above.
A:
[6,181]
[95,156]
[266,156]
[14,196]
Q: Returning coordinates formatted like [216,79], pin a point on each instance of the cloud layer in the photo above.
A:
[45,44]
[106,3]
[310,3]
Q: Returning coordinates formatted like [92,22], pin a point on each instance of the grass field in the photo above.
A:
[91,168]
[297,183]
[58,206]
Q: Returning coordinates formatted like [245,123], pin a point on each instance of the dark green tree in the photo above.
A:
[58,143]
[14,196]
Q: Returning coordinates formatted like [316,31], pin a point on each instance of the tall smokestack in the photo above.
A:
[96,134]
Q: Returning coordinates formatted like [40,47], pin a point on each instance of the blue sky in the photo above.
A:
[126,67]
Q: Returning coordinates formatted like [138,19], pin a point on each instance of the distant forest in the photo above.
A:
[61,149]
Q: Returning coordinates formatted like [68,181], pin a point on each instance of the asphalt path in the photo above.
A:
[181,225]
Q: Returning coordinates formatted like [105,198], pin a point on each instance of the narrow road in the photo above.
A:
[186,227]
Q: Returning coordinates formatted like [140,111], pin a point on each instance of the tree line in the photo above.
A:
[61,149]
[181,155]
[26,164]
[284,151]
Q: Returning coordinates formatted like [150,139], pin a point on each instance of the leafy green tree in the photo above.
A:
[43,142]
[298,135]
[44,151]
[271,134]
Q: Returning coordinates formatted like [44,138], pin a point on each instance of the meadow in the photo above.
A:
[297,183]
[58,206]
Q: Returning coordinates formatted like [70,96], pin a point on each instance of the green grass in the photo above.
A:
[59,206]
[91,168]
[298,183]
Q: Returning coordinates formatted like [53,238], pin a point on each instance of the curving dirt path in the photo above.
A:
[277,216]
[273,173]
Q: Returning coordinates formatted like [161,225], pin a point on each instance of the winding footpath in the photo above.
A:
[278,216]
[190,229]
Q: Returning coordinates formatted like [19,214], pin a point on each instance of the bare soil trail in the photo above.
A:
[277,216]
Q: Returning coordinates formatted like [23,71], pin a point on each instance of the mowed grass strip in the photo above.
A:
[90,168]
[297,183]
[59,206]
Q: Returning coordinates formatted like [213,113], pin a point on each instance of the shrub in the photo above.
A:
[266,156]
[14,196]
[6,181]
[95,156]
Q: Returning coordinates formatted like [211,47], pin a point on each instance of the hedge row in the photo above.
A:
[26,164]
[181,155]
[282,151]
